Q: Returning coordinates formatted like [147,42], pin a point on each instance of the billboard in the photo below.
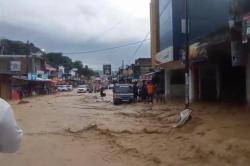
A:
[107,69]
[15,66]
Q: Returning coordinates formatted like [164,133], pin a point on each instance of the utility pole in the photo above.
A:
[122,64]
[27,57]
[187,103]
[2,47]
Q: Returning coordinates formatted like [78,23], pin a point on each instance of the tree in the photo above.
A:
[57,59]
[11,47]
[78,64]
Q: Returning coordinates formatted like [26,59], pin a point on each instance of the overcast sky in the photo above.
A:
[79,25]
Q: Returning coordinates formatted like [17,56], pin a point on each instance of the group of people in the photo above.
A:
[147,91]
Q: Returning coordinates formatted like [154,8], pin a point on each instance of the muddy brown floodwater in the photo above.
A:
[70,129]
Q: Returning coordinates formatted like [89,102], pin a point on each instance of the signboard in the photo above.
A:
[107,69]
[237,52]
[45,76]
[245,28]
[183,26]
[165,55]
[198,51]
[15,66]
[32,76]
[248,29]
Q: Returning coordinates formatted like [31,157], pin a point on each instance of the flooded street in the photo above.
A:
[70,129]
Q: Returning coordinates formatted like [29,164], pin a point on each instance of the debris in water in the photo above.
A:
[91,126]
[184,117]
[23,102]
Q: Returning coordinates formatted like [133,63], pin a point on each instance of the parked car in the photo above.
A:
[69,87]
[62,88]
[111,86]
[82,89]
[122,93]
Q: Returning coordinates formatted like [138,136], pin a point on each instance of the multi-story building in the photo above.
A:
[17,70]
[142,66]
[217,69]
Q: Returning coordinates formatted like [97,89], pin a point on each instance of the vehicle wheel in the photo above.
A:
[115,102]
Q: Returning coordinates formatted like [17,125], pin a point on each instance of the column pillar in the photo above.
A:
[248,81]
[191,85]
[218,83]
[167,83]
[199,84]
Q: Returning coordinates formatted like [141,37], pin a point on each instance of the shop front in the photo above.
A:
[5,86]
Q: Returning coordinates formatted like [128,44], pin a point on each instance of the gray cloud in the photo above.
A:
[79,25]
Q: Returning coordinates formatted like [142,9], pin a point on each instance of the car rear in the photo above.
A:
[82,89]
[62,88]
[123,93]
[69,87]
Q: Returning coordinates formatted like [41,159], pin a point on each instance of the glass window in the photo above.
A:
[207,16]
[166,24]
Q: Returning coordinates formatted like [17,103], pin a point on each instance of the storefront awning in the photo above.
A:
[173,65]
[24,78]
[150,76]
[49,68]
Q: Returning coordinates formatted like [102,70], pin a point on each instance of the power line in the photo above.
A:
[111,28]
[106,49]
[139,47]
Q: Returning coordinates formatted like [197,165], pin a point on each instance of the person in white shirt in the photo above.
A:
[10,133]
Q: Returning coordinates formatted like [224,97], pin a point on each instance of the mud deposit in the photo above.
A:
[70,129]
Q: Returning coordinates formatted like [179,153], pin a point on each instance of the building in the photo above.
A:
[141,67]
[167,43]
[217,69]
[61,71]
[5,88]
[135,71]
[51,71]
[19,72]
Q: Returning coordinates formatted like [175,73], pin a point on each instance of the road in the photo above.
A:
[70,129]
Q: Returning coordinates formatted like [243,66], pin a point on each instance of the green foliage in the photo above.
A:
[57,59]
[87,72]
[11,47]
[78,64]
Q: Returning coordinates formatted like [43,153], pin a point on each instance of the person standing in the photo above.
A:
[10,133]
[143,91]
[135,91]
[150,92]
[159,93]
[102,94]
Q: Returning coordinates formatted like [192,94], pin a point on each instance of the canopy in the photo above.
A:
[49,68]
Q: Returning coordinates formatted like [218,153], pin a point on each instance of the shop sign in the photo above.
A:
[15,66]
[45,76]
[237,52]
[40,72]
[165,55]
[246,28]
[32,76]
[198,51]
